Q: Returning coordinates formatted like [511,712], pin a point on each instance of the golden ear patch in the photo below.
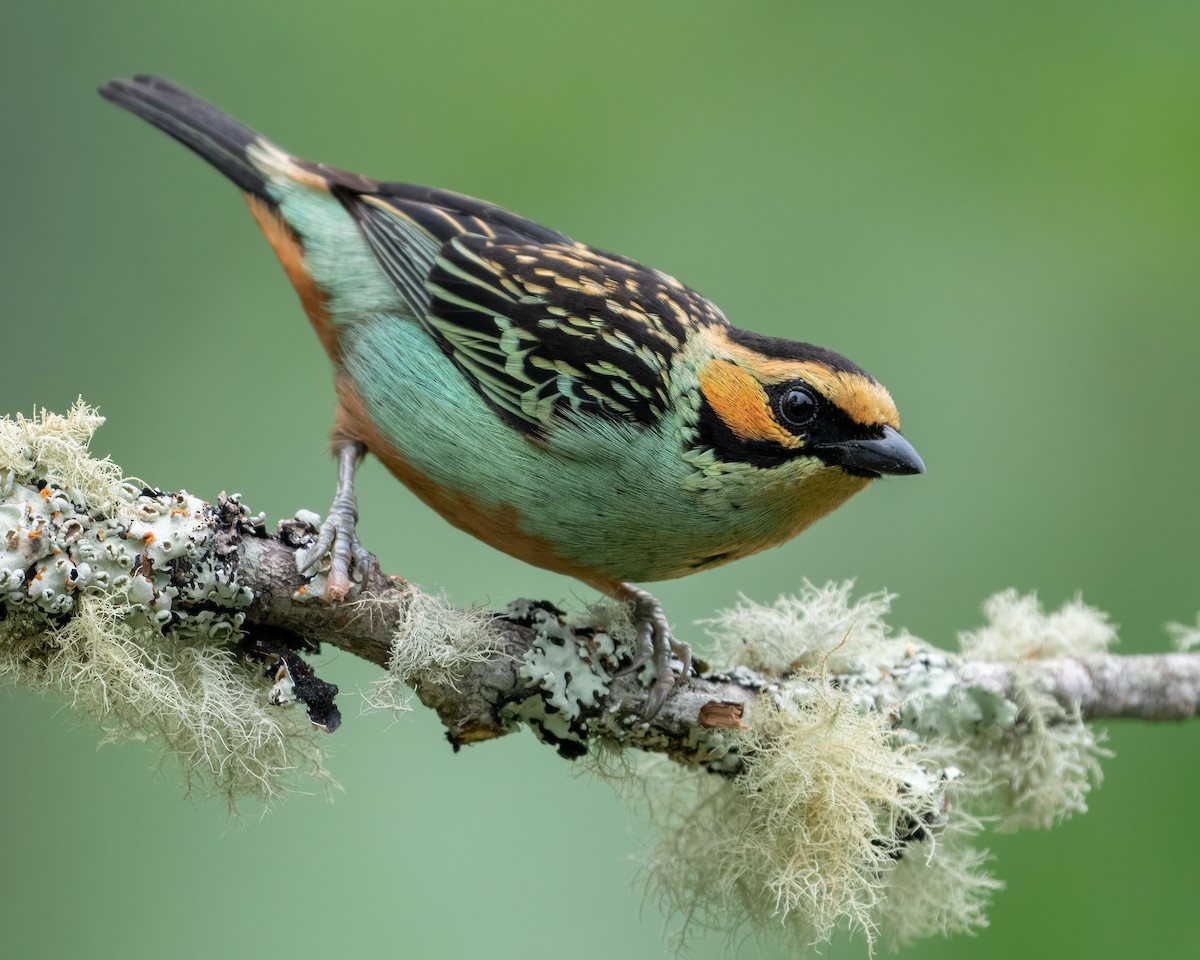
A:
[741,402]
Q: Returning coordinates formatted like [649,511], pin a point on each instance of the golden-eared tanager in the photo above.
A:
[568,406]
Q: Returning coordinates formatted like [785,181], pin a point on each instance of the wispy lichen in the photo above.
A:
[819,625]
[1041,770]
[858,803]
[851,798]
[78,539]
[434,644]
[1019,629]
[812,836]
[55,447]
[202,705]
[1185,637]
[940,887]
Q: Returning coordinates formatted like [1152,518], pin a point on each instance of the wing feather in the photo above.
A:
[545,329]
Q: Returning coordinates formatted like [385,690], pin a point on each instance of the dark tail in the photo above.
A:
[217,137]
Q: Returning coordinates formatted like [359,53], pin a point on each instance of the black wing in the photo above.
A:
[543,327]
[406,225]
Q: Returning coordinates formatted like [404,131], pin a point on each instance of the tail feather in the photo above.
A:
[195,123]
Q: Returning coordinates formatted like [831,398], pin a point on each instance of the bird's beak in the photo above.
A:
[889,455]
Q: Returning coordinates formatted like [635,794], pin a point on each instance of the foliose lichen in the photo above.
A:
[569,673]
[122,598]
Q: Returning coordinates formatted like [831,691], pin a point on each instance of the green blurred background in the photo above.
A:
[993,207]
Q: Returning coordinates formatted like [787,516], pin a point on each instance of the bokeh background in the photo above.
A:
[993,207]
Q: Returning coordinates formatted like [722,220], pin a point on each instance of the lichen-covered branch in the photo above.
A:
[213,570]
[846,747]
[1103,686]
[479,700]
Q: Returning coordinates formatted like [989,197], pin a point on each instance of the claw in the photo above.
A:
[339,542]
[337,538]
[634,665]
[645,647]
[655,642]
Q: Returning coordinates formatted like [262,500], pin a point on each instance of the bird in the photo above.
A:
[571,407]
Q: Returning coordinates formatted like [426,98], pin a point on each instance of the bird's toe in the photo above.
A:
[338,541]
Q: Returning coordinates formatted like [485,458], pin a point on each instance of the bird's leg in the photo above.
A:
[654,641]
[337,538]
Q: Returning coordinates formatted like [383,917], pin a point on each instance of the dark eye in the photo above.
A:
[797,406]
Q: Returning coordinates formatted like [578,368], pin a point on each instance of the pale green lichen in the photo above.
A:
[939,887]
[930,700]
[122,544]
[434,644]
[1185,637]
[811,836]
[55,448]
[1019,629]
[571,675]
[77,538]
[199,701]
[855,803]
[568,672]
[1040,769]
[820,625]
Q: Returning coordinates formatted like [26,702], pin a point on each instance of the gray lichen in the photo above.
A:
[854,763]
[568,675]
[859,794]
[432,646]
[152,600]
[57,545]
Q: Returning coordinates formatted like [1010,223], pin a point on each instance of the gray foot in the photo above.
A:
[338,539]
[655,642]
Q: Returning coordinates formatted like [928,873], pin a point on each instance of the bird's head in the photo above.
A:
[768,401]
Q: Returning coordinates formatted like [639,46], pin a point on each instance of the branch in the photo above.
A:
[844,747]
[231,567]
[1163,686]
[473,703]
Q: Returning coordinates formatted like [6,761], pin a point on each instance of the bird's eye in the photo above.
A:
[797,406]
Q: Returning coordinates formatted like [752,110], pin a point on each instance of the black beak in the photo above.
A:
[889,455]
